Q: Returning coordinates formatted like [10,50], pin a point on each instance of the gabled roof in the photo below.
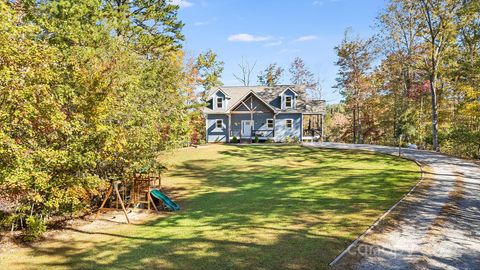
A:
[217,90]
[269,95]
[244,97]
[288,88]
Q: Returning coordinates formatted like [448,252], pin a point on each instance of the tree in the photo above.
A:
[430,56]
[355,57]
[210,70]
[439,36]
[271,76]
[400,29]
[86,94]
[301,75]
[316,93]
[245,72]
[151,26]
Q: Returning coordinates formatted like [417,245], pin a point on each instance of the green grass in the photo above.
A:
[250,207]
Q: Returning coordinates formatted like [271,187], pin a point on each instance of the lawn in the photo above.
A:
[250,207]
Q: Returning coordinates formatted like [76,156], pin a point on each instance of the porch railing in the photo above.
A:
[312,133]
[263,133]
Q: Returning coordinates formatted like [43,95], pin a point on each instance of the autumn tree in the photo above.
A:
[210,69]
[439,34]
[355,57]
[300,74]
[465,79]
[86,93]
[271,76]
[401,32]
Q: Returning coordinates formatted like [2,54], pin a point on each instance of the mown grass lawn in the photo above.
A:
[248,207]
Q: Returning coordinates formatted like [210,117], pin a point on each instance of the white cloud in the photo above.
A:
[317,3]
[248,38]
[306,38]
[203,23]
[182,3]
[273,44]
[289,51]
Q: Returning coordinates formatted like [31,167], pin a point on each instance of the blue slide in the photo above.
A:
[165,199]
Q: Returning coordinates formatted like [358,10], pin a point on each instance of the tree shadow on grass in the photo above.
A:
[246,213]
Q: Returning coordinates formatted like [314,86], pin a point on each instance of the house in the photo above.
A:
[280,113]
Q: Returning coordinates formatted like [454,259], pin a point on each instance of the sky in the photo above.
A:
[276,31]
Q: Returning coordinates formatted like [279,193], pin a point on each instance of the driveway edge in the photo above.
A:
[422,167]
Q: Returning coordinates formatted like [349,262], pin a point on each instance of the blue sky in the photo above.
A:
[269,31]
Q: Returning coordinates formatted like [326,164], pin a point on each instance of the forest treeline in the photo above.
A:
[416,81]
[93,90]
[89,90]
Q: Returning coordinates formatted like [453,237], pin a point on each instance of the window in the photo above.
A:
[219,123]
[288,123]
[270,123]
[288,102]
[219,103]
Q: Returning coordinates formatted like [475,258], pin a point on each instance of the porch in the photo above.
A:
[262,134]
[251,118]
[312,127]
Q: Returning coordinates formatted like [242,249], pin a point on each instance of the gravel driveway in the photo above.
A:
[440,228]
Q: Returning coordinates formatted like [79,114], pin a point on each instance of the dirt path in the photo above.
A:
[440,228]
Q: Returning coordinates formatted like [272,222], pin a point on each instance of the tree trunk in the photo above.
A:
[434,114]
[354,126]
[359,126]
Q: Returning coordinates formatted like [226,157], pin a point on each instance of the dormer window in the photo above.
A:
[219,103]
[288,102]
[288,99]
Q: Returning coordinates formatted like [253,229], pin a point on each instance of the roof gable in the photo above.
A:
[216,91]
[245,97]
[288,89]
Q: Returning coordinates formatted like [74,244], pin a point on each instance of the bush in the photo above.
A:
[256,140]
[35,228]
[234,139]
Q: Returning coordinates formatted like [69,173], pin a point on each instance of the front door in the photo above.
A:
[247,126]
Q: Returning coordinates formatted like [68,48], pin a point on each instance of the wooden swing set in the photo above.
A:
[134,192]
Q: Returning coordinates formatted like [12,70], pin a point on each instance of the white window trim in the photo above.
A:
[273,123]
[291,102]
[216,123]
[222,102]
[286,125]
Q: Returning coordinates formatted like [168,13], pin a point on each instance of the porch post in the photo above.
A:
[251,119]
[229,127]
[251,127]
[301,127]
[274,124]
[206,128]
[321,126]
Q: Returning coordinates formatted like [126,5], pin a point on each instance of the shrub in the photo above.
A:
[256,140]
[234,139]
[35,228]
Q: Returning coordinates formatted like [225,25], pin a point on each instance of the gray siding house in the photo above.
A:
[276,113]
